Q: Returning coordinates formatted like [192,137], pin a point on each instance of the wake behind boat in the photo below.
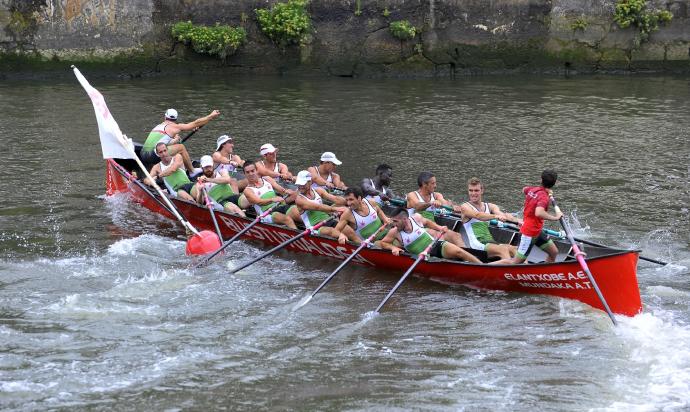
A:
[615,270]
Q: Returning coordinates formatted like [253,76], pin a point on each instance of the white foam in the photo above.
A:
[132,246]
[658,345]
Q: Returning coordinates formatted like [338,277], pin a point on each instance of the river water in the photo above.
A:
[98,309]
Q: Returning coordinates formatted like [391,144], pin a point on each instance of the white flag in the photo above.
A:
[113,143]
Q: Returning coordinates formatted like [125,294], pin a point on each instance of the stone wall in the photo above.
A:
[350,37]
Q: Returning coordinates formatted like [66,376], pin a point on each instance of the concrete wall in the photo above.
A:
[458,37]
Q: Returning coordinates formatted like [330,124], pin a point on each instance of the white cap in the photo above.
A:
[330,157]
[206,161]
[171,114]
[224,138]
[267,148]
[302,178]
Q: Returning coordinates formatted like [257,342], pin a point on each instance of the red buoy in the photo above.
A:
[204,243]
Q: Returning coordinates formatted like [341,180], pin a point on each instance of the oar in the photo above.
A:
[364,244]
[184,139]
[282,245]
[237,235]
[561,235]
[580,258]
[421,257]
[213,215]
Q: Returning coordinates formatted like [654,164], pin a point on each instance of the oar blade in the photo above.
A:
[203,243]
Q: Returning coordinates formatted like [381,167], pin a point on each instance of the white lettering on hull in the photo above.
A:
[551,280]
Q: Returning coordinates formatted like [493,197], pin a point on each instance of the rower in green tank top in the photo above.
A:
[415,233]
[310,207]
[261,194]
[221,188]
[168,132]
[171,169]
[427,202]
[363,217]
[476,215]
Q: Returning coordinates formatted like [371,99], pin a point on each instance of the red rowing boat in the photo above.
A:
[615,270]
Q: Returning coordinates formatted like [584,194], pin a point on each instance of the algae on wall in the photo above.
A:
[349,37]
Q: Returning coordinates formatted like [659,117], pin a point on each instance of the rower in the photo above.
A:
[311,208]
[476,215]
[225,159]
[168,133]
[377,188]
[427,201]
[171,169]
[269,165]
[535,212]
[261,193]
[364,215]
[221,188]
[327,168]
[416,232]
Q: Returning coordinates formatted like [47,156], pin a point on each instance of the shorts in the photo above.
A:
[187,187]
[280,209]
[234,199]
[526,243]
[437,249]
[480,244]
[149,158]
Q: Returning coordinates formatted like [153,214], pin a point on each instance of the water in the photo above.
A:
[98,309]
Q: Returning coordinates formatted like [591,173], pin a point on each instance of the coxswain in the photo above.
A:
[224,158]
[476,215]
[534,214]
[377,188]
[324,175]
[427,201]
[270,166]
[310,206]
[363,215]
[168,132]
[261,193]
[416,232]
[171,169]
[221,188]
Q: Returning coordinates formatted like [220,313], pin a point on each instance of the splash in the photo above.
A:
[657,345]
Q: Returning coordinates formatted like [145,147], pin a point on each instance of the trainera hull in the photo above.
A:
[614,273]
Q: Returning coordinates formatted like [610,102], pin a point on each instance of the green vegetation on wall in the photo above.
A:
[402,30]
[285,23]
[221,41]
[579,24]
[635,13]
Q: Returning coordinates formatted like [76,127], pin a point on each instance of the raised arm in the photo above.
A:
[196,123]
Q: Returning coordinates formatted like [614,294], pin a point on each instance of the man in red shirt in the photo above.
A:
[535,212]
